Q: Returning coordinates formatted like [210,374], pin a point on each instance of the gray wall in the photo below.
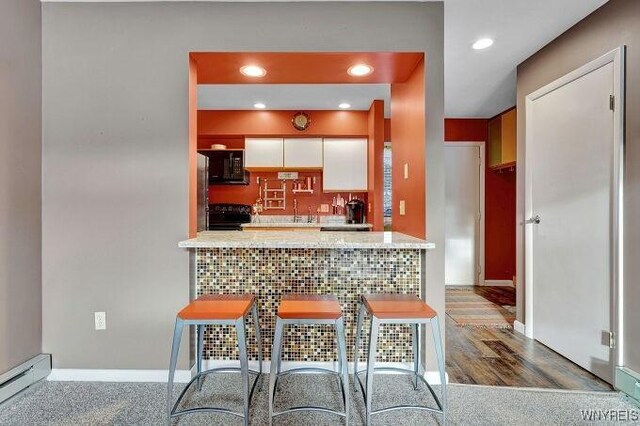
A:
[115,192]
[20,201]
[614,24]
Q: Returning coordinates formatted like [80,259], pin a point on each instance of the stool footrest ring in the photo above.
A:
[309,370]
[402,407]
[309,408]
[206,409]
[175,413]
[408,373]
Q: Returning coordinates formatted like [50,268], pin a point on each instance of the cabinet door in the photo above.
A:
[303,152]
[509,137]
[263,152]
[345,165]
[495,142]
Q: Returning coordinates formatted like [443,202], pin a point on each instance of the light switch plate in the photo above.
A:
[101,320]
[324,208]
[406,170]
[402,208]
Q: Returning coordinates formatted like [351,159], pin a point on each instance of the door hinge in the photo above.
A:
[479,217]
[612,102]
[609,339]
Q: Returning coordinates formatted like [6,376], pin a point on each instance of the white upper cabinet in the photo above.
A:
[345,165]
[263,152]
[303,152]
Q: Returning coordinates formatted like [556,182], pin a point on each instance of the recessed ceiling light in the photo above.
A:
[360,70]
[344,105]
[253,71]
[483,43]
[259,105]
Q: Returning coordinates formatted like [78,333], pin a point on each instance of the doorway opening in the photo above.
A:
[573,160]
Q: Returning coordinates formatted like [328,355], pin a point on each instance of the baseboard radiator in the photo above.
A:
[628,381]
[24,375]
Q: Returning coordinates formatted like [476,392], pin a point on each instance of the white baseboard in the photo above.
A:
[184,376]
[112,375]
[499,283]
[519,327]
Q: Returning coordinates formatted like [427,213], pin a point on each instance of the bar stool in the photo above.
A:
[309,309]
[398,309]
[222,309]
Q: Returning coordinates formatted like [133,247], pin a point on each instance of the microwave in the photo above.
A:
[226,167]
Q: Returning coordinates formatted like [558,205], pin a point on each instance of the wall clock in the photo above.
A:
[301,121]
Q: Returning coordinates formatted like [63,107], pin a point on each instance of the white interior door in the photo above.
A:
[463,172]
[570,135]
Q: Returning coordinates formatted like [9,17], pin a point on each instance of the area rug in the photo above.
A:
[469,309]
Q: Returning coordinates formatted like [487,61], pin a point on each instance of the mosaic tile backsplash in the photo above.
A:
[269,273]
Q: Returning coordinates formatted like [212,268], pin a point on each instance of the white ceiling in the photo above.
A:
[477,83]
[292,96]
[482,83]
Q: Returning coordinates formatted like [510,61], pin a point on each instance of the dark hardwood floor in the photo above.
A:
[500,295]
[502,357]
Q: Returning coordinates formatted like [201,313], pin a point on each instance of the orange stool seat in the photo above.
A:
[390,306]
[309,306]
[218,307]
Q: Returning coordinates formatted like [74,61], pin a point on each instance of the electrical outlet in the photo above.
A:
[403,209]
[406,170]
[101,320]
[324,208]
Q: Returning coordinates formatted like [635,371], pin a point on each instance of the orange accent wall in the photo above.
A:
[500,203]
[269,123]
[247,194]
[193,146]
[408,129]
[304,67]
[375,157]
[387,130]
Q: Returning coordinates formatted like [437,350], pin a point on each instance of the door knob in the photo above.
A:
[535,219]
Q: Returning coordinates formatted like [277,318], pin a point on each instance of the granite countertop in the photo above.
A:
[306,225]
[305,239]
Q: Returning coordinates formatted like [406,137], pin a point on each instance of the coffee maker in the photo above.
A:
[355,211]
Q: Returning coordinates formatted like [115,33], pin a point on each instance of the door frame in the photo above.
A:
[481,236]
[617,57]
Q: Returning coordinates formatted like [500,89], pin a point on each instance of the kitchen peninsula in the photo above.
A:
[270,264]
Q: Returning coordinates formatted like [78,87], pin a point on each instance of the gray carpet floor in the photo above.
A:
[90,403]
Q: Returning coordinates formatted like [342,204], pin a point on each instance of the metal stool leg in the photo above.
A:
[244,366]
[371,362]
[256,324]
[437,341]
[344,367]
[356,352]
[175,347]
[416,354]
[275,360]
[199,351]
